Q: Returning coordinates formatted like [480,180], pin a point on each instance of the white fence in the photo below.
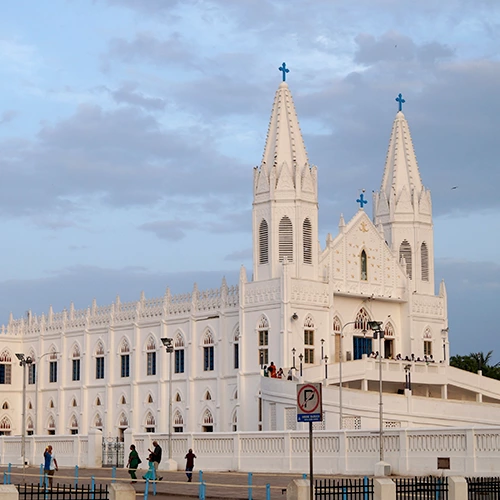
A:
[472,451]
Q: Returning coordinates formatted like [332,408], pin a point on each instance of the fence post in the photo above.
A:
[113,474]
[457,488]
[76,476]
[200,487]
[384,489]
[268,491]
[250,486]
[365,488]
[9,471]
[92,488]
[146,490]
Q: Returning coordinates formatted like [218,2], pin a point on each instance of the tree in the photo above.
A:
[476,361]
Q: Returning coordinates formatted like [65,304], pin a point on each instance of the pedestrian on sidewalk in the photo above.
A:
[49,465]
[133,463]
[190,464]
[151,473]
[157,451]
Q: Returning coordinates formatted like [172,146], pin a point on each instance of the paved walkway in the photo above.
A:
[219,485]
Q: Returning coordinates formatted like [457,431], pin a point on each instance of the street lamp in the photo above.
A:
[444,333]
[293,357]
[379,333]
[326,367]
[24,361]
[408,376]
[301,357]
[322,342]
[168,343]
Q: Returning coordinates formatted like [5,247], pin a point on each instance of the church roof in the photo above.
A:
[401,168]
[284,142]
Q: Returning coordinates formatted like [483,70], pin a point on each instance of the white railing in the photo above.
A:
[472,451]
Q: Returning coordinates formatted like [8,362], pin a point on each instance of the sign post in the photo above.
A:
[309,409]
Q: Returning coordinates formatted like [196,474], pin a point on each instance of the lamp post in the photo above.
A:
[301,357]
[444,333]
[326,367]
[322,342]
[168,343]
[24,361]
[293,357]
[379,333]
[341,414]
[408,376]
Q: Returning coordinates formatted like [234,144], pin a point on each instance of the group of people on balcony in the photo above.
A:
[399,357]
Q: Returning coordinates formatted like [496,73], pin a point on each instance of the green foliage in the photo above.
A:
[476,361]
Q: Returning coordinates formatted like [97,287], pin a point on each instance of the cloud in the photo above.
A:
[7,116]
[128,94]
[169,229]
[240,255]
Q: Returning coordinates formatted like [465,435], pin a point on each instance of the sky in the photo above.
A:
[129,130]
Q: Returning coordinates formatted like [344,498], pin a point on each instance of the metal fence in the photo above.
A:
[333,489]
[62,492]
[483,488]
[113,452]
[422,488]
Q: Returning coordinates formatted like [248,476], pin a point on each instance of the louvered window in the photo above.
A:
[286,239]
[263,242]
[405,251]
[307,230]
[424,253]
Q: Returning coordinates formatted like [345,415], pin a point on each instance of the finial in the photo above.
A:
[361,200]
[284,70]
[400,100]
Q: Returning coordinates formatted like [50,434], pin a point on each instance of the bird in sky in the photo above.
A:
[454,187]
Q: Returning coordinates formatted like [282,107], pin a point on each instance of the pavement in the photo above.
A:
[219,485]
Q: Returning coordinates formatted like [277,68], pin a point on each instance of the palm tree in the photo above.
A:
[477,361]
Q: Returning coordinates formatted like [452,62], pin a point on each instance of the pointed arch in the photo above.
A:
[405,255]
[124,346]
[178,397]
[178,421]
[75,362]
[151,343]
[53,353]
[236,347]
[150,399]
[389,330]
[30,406]
[5,423]
[5,367]
[424,261]
[73,402]
[98,421]
[99,360]
[362,318]
[51,403]
[363,266]
[263,338]
[234,420]
[29,424]
[208,350]
[337,324]
[5,405]
[76,351]
[235,393]
[307,241]
[207,421]
[263,242]
[427,342]
[123,400]
[98,401]
[309,329]
[179,339]
[73,425]
[285,239]
[51,424]
[151,356]
[150,422]
[208,395]
[99,348]
[123,420]
[179,354]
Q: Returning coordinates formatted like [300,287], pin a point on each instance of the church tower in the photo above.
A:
[285,198]
[404,210]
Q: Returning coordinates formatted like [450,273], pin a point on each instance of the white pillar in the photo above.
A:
[444,391]
[121,491]
[457,488]
[384,489]
[94,458]
[8,492]
[298,489]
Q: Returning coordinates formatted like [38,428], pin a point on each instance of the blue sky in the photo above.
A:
[129,130]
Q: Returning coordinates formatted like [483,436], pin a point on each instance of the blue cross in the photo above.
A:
[284,70]
[361,200]
[400,100]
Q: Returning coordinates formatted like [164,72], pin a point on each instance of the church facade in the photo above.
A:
[307,307]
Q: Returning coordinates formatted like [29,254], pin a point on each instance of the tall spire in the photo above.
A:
[401,168]
[284,142]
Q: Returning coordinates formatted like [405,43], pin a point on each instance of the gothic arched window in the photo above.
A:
[5,367]
[263,242]
[208,421]
[424,256]
[179,352]
[151,356]
[362,319]
[307,234]
[208,351]
[286,239]
[309,340]
[364,266]
[263,333]
[405,253]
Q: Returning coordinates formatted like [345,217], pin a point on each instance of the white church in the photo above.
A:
[305,305]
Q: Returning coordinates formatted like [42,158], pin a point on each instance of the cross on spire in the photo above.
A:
[400,100]
[361,200]
[284,70]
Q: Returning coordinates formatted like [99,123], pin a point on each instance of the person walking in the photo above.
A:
[151,473]
[190,464]
[133,463]
[49,465]
[157,452]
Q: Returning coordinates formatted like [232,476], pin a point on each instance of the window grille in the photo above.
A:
[125,365]
[405,252]
[362,318]
[424,253]
[263,242]
[53,371]
[151,363]
[286,239]
[290,419]
[76,370]
[307,234]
